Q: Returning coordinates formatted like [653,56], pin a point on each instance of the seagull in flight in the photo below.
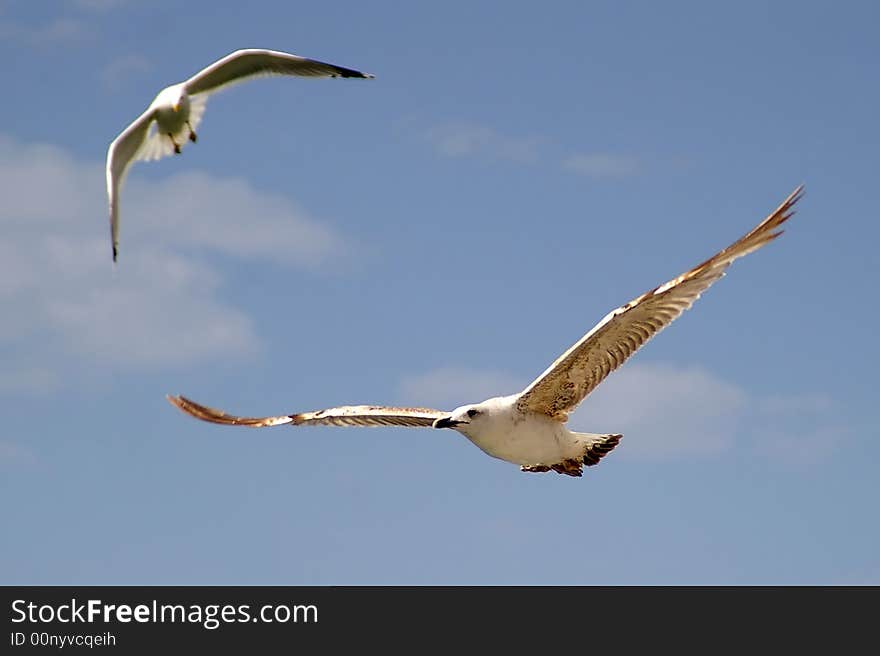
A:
[528,429]
[172,118]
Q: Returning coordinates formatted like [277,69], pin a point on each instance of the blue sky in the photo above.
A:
[437,236]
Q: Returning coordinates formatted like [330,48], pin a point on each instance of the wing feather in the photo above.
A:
[244,64]
[123,151]
[349,415]
[578,371]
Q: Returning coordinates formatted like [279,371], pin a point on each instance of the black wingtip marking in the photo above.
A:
[350,72]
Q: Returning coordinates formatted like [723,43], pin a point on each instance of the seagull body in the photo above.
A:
[172,118]
[532,440]
[528,429]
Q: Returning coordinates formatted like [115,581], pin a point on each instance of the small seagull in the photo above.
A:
[172,118]
[528,429]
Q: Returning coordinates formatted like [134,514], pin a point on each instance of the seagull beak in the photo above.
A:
[176,107]
[445,422]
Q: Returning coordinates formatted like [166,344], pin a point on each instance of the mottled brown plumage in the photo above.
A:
[349,415]
[528,428]
[578,371]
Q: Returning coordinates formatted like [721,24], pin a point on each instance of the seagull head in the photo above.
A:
[174,97]
[461,417]
[477,416]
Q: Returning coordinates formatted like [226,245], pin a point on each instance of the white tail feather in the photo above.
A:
[157,145]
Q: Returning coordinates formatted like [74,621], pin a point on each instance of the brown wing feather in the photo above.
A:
[578,371]
[350,415]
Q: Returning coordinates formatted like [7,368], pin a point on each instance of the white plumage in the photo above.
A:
[528,428]
[172,118]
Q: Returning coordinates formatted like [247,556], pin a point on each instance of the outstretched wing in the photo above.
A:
[578,371]
[244,64]
[124,149]
[348,415]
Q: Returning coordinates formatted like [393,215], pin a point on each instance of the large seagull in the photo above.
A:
[172,118]
[528,429]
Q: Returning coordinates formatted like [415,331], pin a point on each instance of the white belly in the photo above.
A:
[530,440]
[171,122]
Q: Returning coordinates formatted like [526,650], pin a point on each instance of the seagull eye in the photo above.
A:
[472,413]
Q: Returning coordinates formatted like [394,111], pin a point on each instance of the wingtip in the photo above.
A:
[186,406]
[351,73]
[796,195]
[181,403]
[787,208]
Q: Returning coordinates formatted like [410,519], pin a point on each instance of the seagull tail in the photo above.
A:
[598,445]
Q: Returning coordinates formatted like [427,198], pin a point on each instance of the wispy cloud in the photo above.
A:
[665,411]
[163,306]
[449,387]
[799,429]
[27,379]
[12,453]
[468,139]
[61,31]
[99,5]
[116,73]
[464,139]
[601,165]
[229,216]
[673,411]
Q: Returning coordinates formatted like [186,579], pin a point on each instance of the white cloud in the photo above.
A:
[228,216]
[30,380]
[99,5]
[795,404]
[601,165]
[463,139]
[13,453]
[175,318]
[163,306]
[800,448]
[798,429]
[663,410]
[62,31]
[115,74]
[449,387]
